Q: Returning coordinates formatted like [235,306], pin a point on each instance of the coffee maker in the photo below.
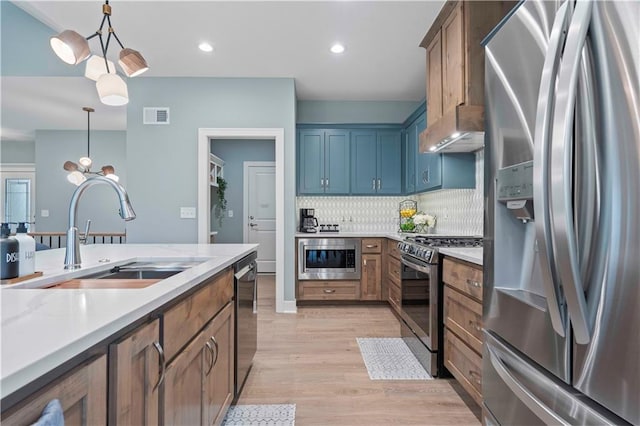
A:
[308,221]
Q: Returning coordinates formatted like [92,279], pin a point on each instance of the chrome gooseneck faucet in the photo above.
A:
[72,255]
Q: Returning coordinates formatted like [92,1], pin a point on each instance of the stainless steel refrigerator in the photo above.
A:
[562,215]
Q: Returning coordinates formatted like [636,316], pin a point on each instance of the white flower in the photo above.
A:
[424,219]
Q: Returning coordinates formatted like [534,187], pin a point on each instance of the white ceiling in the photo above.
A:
[382,61]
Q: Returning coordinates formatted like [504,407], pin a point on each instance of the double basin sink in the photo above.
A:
[131,275]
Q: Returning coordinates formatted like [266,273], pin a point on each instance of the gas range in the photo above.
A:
[425,248]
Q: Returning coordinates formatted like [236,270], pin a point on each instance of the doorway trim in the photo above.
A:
[204,194]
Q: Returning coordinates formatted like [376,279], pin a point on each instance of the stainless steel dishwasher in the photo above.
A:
[246,318]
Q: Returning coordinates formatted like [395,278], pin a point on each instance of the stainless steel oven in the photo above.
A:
[329,259]
[419,310]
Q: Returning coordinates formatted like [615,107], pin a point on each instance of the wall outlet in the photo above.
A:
[44,213]
[187,212]
[230,212]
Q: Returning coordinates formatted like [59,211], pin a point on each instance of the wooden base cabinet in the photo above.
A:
[371,279]
[81,392]
[463,324]
[199,381]
[136,372]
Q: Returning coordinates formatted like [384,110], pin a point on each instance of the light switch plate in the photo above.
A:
[187,212]
[44,213]
[230,212]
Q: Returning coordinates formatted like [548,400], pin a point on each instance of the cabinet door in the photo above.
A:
[389,162]
[363,162]
[311,161]
[419,160]
[135,373]
[434,171]
[336,162]
[371,281]
[434,79]
[410,150]
[453,53]
[183,384]
[219,373]
[82,394]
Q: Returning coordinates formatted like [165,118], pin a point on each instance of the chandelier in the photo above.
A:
[78,171]
[73,48]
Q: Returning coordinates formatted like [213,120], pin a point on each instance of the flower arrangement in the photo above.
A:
[422,221]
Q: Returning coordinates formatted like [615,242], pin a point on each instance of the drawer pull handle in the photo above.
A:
[475,376]
[473,283]
[163,364]
[370,246]
[475,325]
[329,290]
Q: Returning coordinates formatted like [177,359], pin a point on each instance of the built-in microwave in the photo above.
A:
[328,259]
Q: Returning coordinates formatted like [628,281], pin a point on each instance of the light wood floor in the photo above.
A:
[311,359]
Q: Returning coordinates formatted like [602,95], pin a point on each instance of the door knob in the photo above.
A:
[251,217]
[253,225]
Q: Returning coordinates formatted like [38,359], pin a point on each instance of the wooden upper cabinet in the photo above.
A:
[434,79]
[455,77]
[453,65]
[135,372]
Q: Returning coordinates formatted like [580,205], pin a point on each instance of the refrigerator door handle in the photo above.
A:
[545,413]
[562,172]
[541,167]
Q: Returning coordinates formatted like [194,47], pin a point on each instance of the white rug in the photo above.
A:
[261,415]
[389,358]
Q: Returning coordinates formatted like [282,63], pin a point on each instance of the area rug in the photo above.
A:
[389,358]
[261,415]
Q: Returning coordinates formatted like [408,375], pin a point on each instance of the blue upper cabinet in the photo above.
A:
[376,166]
[414,161]
[363,162]
[389,164]
[409,150]
[336,162]
[448,171]
[323,161]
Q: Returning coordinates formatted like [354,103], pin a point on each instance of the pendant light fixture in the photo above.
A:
[73,48]
[78,171]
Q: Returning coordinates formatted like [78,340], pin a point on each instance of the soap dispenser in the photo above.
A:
[9,252]
[27,251]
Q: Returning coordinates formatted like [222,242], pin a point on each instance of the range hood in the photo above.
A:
[459,130]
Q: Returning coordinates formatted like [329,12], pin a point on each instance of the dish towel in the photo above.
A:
[52,415]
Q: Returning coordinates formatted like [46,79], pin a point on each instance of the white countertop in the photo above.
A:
[43,328]
[398,236]
[473,255]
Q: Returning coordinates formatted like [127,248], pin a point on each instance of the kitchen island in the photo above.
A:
[42,329]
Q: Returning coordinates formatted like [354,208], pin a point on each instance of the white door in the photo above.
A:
[260,211]
[18,194]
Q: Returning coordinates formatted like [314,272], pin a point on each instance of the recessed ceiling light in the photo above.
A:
[337,48]
[455,135]
[205,47]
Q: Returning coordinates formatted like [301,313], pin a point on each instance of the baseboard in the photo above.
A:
[289,307]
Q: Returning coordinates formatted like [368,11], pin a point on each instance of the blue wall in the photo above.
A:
[53,191]
[235,152]
[25,49]
[354,112]
[17,151]
[162,159]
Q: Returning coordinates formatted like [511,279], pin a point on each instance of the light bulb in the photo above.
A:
[85,162]
[76,178]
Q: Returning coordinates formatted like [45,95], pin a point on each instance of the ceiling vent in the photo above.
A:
[155,115]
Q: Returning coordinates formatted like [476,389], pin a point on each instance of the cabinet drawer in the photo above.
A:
[463,276]
[184,320]
[394,268]
[371,245]
[464,364]
[329,290]
[392,249]
[394,296]
[463,316]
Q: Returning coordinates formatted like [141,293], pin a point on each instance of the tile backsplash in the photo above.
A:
[458,211]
